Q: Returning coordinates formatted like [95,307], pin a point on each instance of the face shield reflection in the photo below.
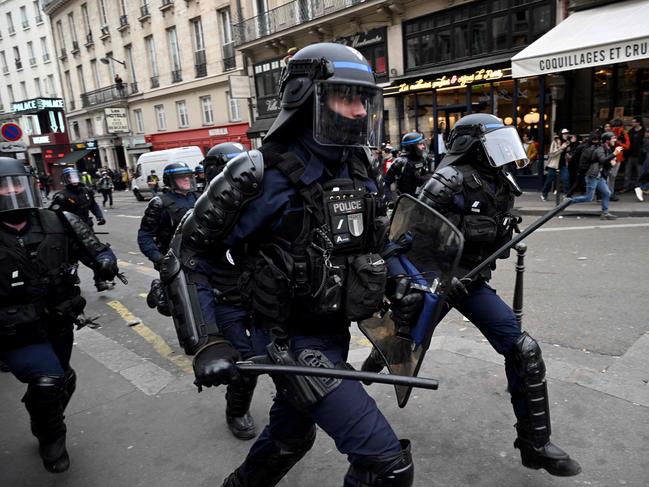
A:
[347,115]
[18,192]
[504,146]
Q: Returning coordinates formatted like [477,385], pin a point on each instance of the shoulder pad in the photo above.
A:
[50,221]
[219,207]
[83,234]
[152,213]
[443,185]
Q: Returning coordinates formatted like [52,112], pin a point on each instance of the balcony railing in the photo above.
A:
[155,82]
[89,39]
[109,94]
[5,69]
[229,61]
[25,24]
[286,16]
[11,30]
[177,76]
[105,32]
[19,64]
[123,22]
[75,47]
[38,19]
[165,4]
[46,57]
[32,61]
[144,12]
[63,54]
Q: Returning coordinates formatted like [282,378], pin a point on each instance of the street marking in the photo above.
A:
[158,343]
[594,227]
[129,216]
[139,268]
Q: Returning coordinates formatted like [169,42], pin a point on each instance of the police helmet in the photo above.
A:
[18,189]
[331,88]
[218,156]
[199,170]
[176,172]
[410,144]
[484,138]
[70,177]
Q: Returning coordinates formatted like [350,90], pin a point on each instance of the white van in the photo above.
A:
[157,161]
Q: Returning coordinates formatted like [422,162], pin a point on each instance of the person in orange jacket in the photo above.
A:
[623,141]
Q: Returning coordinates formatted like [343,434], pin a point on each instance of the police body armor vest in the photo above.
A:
[486,220]
[176,213]
[38,276]
[78,203]
[305,266]
[411,176]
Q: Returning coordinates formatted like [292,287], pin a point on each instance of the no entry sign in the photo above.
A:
[11,132]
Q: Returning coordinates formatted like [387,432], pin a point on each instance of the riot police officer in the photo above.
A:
[164,212]
[79,199]
[199,176]
[218,156]
[475,191]
[40,301]
[302,215]
[408,171]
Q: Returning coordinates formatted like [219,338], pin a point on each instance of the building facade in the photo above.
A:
[30,91]
[147,75]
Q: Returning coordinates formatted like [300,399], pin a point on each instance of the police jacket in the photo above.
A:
[300,235]
[160,220]
[479,201]
[38,286]
[80,201]
[409,174]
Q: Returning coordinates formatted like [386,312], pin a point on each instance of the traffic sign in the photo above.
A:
[11,132]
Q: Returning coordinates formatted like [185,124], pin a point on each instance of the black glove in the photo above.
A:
[107,270]
[101,221]
[157,262]
[157,298]
[406,304]
[214,364]
[456,292]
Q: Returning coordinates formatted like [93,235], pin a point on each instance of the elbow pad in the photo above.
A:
[440,189]
[219,207]
[83,235]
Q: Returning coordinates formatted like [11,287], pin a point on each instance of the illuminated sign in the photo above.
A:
[36,105]
[40,139]
[456,80]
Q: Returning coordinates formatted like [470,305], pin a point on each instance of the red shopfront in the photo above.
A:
[204,138]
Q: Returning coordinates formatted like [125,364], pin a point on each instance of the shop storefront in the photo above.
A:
[51,149]
[373,46]
[204,138]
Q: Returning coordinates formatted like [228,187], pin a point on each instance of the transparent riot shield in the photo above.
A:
[424,248]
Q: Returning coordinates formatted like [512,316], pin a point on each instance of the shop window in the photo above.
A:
[481,98]
[377,57]
[602,99]
[425,114]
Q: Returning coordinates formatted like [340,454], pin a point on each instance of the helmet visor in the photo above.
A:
[184,181]
[71,176]
[504,146]
[19,192]
[347,115]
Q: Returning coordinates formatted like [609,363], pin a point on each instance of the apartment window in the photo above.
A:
[19,63]
[73,31]
[233,107]
[3,61]
[50,86]
[39,88]
[160,117]
[467,31]
[206,110]
[183,116]
[23,17]
[199,47]
[139,121]
[81,79]
[30,53]
[89,129]
[10,90]
[10,24]
[111,67]
[152,60]
[59,32]
[37,12]
[227,45]
[45,50]
[68,85]
[102,13]
[174,54]
[23,90]
[94,70]
[129,60]
[86,22]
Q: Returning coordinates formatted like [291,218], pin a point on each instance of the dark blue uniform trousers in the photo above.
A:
[347,414]
[497,322]
[50,357]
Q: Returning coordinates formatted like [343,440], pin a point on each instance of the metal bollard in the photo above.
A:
[517,306]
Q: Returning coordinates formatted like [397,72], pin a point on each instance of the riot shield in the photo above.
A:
[424,248]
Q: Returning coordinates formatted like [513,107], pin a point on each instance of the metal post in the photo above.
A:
[517,306]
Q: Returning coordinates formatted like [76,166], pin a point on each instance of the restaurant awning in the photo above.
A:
[74,156]
[609,34]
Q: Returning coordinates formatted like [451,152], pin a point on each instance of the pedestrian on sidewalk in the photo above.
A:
[557,161]
[106,187]
[602,158]
[643,181]
[634,160]
[40,301]
[622,141]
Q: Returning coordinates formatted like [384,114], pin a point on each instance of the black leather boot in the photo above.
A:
[238,397]
[44,402]
[537,451]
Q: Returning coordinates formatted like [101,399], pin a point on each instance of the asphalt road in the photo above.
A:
[136,419]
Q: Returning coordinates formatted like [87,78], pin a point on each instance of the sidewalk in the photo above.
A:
[530,203]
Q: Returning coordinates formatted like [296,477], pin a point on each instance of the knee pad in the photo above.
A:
[44,402]
[527,357]
[44,388]
[387,471]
